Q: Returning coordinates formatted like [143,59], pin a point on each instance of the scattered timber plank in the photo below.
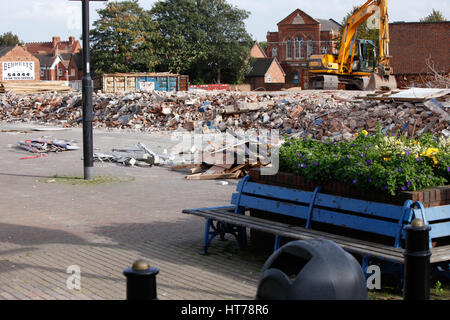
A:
[238,167]
[185,166]
[203,176]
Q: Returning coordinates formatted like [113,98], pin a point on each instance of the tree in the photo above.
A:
[122,39]
[434,16]
[363,31]
[263,45]
[205,38]
[9,39]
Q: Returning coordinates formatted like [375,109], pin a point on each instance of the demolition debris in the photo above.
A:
[319,114]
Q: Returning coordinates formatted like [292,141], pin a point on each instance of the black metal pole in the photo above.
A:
[141,281]
[417,262]
[88,147]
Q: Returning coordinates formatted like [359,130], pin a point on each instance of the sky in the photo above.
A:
[39,20]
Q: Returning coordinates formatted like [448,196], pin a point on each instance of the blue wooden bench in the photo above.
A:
[310,208]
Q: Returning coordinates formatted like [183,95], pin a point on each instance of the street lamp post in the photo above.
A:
[88,145]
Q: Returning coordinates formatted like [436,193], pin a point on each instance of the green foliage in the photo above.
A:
[9,39]
[388,163]
[122,39]
[434,16]
[363,31]
[263,45]
[438,288]
[204,38]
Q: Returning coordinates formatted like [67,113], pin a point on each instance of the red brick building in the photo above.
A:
[412,43]
[298,36]
[17,64]
[59,59]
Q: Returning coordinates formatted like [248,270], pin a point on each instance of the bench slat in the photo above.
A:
[226,214]
[335,202]
[435,213]
[275,224]
[321,215]
[301,233]
[440,230]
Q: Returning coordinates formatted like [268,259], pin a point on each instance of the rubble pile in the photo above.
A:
[320,114]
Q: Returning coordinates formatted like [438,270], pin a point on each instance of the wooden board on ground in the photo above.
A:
[203,176]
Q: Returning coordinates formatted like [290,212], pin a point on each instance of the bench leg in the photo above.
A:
[209,235]
[277,244]
[242,237]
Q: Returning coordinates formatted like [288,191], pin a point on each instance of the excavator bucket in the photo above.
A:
[378,82]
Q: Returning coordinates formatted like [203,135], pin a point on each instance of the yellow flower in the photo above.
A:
[355,135]
[387,159]
[435,161]
[416,142]
[430,152]
[364,132]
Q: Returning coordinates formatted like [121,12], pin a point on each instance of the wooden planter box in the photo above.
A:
[432,197]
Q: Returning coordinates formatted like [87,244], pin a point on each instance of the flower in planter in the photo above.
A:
[390,163]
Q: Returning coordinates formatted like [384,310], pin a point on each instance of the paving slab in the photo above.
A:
[47,226]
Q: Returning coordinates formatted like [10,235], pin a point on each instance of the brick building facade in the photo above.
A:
[298,36]
[59,59]
[411,43]
[17,64]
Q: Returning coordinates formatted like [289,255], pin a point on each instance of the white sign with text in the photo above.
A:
[18,70]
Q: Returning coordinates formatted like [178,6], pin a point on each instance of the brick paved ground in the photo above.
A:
[47,227]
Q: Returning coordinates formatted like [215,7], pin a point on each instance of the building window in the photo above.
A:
[289,49]
[269,78]
[72,72]
[274,52]
[42,72]
[299,48]
[60,72]
[309,47]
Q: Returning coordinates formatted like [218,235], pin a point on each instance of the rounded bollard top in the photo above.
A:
[140,265]
[417,223]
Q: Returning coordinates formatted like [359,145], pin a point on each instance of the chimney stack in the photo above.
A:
[55,41]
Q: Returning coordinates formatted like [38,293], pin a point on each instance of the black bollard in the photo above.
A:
[417,262]
[141,281]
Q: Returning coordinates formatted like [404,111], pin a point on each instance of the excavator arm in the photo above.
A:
[348,43]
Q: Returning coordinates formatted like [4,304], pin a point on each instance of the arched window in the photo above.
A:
[274,52]
[299,48]
[288,49]
[309,48]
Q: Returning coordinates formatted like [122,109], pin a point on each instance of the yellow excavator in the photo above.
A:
[358,65]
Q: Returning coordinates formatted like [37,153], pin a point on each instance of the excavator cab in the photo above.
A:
[366,57]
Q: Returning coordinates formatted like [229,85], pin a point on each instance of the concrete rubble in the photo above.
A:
[319,114]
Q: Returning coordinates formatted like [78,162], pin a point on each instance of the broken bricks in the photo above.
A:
[318,114]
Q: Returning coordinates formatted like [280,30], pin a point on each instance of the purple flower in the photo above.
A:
[369,161]
[408,183]
[415,179]
[385,187]
[354,181]
[303,165]
[299,155]
[448,169]
[407,152]
[369,180]
[367,147]
[316,163]
[418,159]
[399,170]
[404,188]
